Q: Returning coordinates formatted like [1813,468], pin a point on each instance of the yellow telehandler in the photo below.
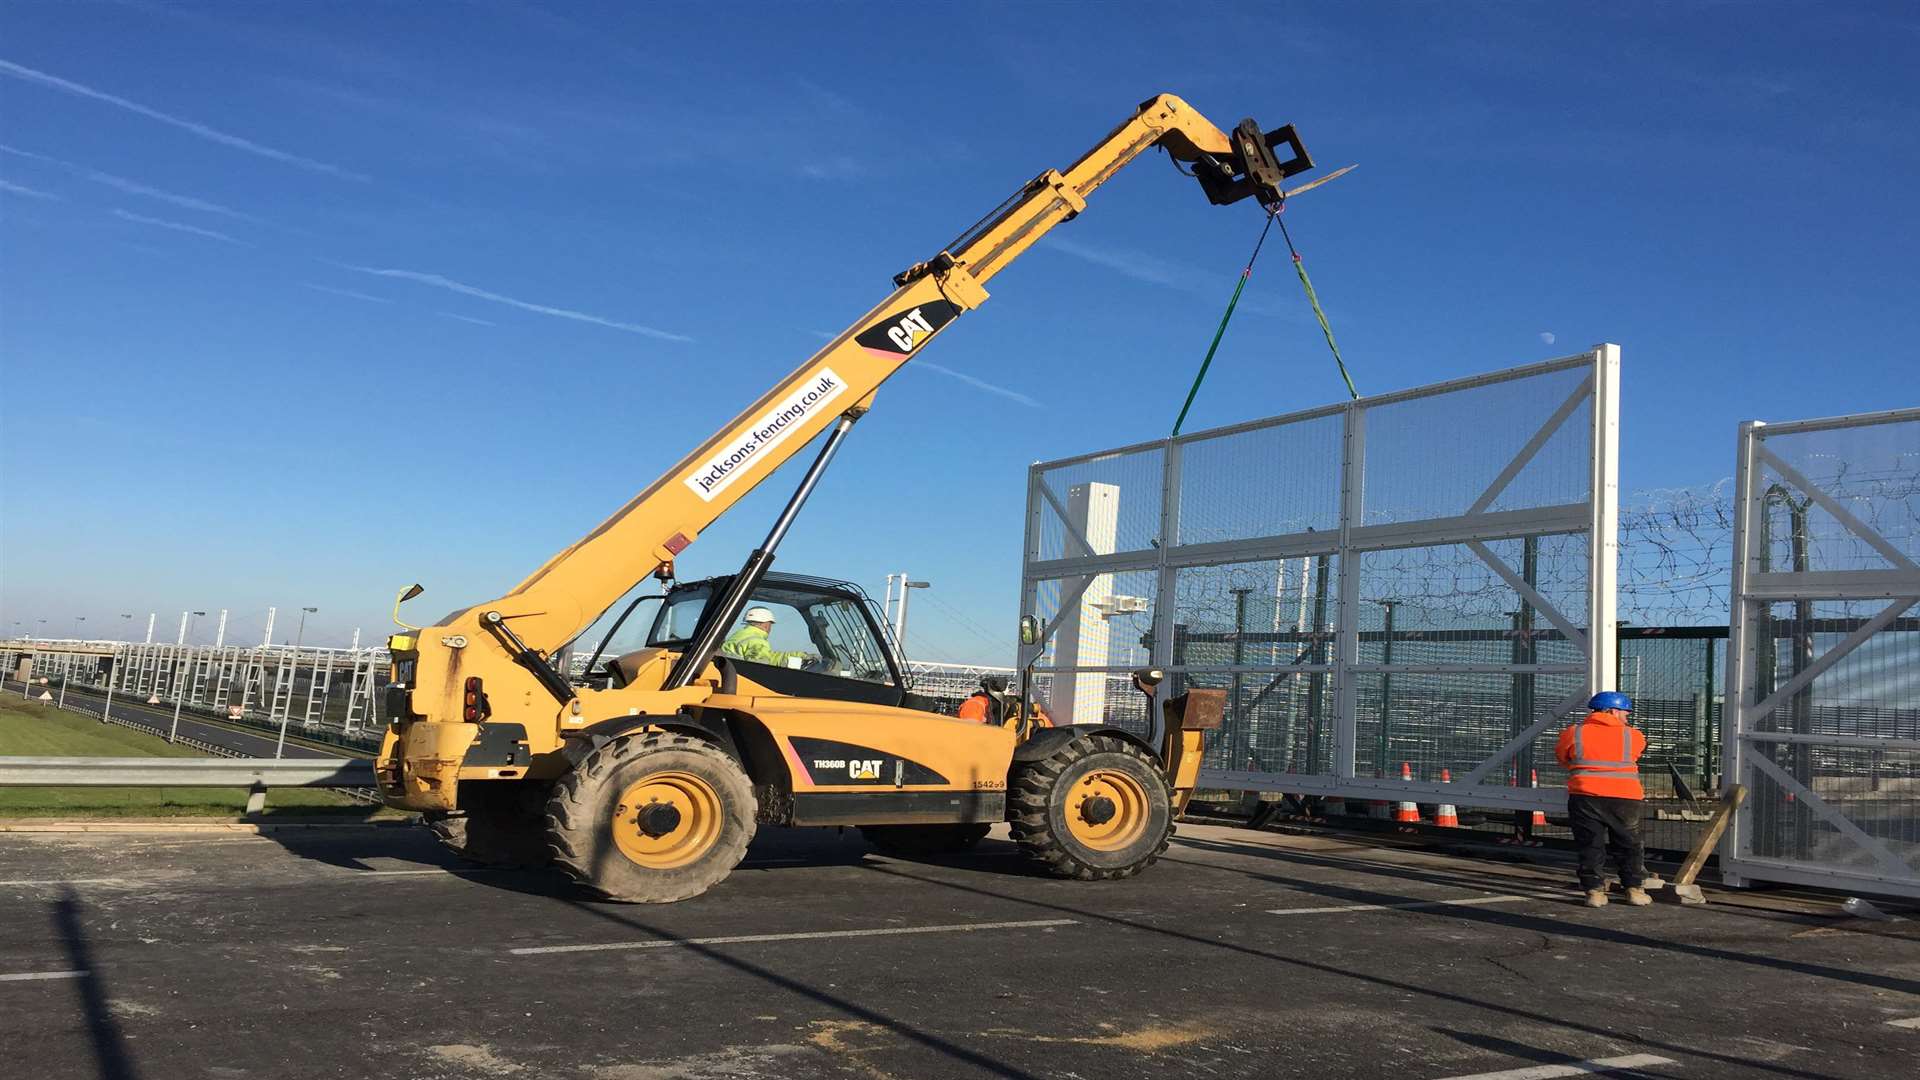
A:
[645,777]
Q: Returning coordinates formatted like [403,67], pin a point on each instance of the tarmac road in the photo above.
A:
[359,953]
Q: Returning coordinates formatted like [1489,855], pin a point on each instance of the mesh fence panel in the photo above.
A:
[1828,705]
[1328,572]
[1431,457]
[1111,502]
[1269,481]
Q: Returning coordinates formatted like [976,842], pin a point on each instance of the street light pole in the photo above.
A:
[302,631]
[900,624]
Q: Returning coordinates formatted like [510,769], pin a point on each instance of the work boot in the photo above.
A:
[1598,897]
[1638,897]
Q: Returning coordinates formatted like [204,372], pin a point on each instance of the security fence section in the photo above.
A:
[1823,678]
[328,694]
[1400,594]
[335,694]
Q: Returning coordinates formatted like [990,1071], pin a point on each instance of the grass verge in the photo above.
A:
[33,729]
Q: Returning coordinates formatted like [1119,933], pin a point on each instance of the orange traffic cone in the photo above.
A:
[1407,813]
[1539,816]
[1446,816]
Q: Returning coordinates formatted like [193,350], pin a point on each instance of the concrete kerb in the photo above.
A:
[233,828]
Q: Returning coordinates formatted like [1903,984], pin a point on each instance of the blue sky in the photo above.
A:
[300,303]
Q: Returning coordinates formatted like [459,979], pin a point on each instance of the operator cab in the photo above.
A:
[826,639]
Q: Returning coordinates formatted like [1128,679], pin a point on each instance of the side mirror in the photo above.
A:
[406,594]
[1029,630]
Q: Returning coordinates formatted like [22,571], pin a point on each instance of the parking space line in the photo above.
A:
[30,976]
[1909,1022]
[810,935]
[1571,1068]
[1470,901]
[69,881]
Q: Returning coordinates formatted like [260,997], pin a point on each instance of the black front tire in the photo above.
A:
[581,826]
[1041,798]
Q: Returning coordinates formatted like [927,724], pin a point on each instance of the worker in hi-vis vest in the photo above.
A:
[750,641]
[1602,757]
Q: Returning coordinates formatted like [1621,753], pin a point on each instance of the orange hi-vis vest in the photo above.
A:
[1601,755]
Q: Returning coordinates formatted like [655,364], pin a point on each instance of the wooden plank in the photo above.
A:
[1683,884]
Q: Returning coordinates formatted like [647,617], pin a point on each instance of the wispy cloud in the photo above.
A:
[465,318]
[979,384]
[176,226]
[836,167]
[369,297]
[942,369]
[22,189]
[204,131]
[1165,273]
[131,187]
[1128,263]
[186,202]
[451,285]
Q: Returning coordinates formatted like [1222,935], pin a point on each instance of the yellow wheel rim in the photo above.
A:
[1107,810]
[681,808]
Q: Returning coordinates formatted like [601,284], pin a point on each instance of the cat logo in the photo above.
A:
[863,770]
[910,331]
[901,333]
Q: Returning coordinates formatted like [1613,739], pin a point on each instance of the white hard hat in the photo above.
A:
[759,614]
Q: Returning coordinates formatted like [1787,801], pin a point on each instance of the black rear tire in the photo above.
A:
[500,824]
[1045,797]
[606,855]
[912,840]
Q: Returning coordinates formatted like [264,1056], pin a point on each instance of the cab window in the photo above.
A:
[831,634]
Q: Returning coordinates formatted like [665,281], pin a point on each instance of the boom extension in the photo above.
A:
[717,621]
[576,585]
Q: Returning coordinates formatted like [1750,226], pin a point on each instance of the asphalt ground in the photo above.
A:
[363,952]
[160,718]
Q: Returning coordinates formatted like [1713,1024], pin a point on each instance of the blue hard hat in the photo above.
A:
[1610,699]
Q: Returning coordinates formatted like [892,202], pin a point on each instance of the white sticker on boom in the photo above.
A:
[770,431]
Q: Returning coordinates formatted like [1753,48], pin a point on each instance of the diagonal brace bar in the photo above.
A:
[1832,506]
[1888,861]
[1532,596]
[1066,521]
[1540,437]
[1829,658]
[1567,705]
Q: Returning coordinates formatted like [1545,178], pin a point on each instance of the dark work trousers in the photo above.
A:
[1607,828]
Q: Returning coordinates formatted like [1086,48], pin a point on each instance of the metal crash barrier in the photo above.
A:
[254,774]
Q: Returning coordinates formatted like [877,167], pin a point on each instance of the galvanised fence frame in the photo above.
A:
[1823,679]
[1118,542]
